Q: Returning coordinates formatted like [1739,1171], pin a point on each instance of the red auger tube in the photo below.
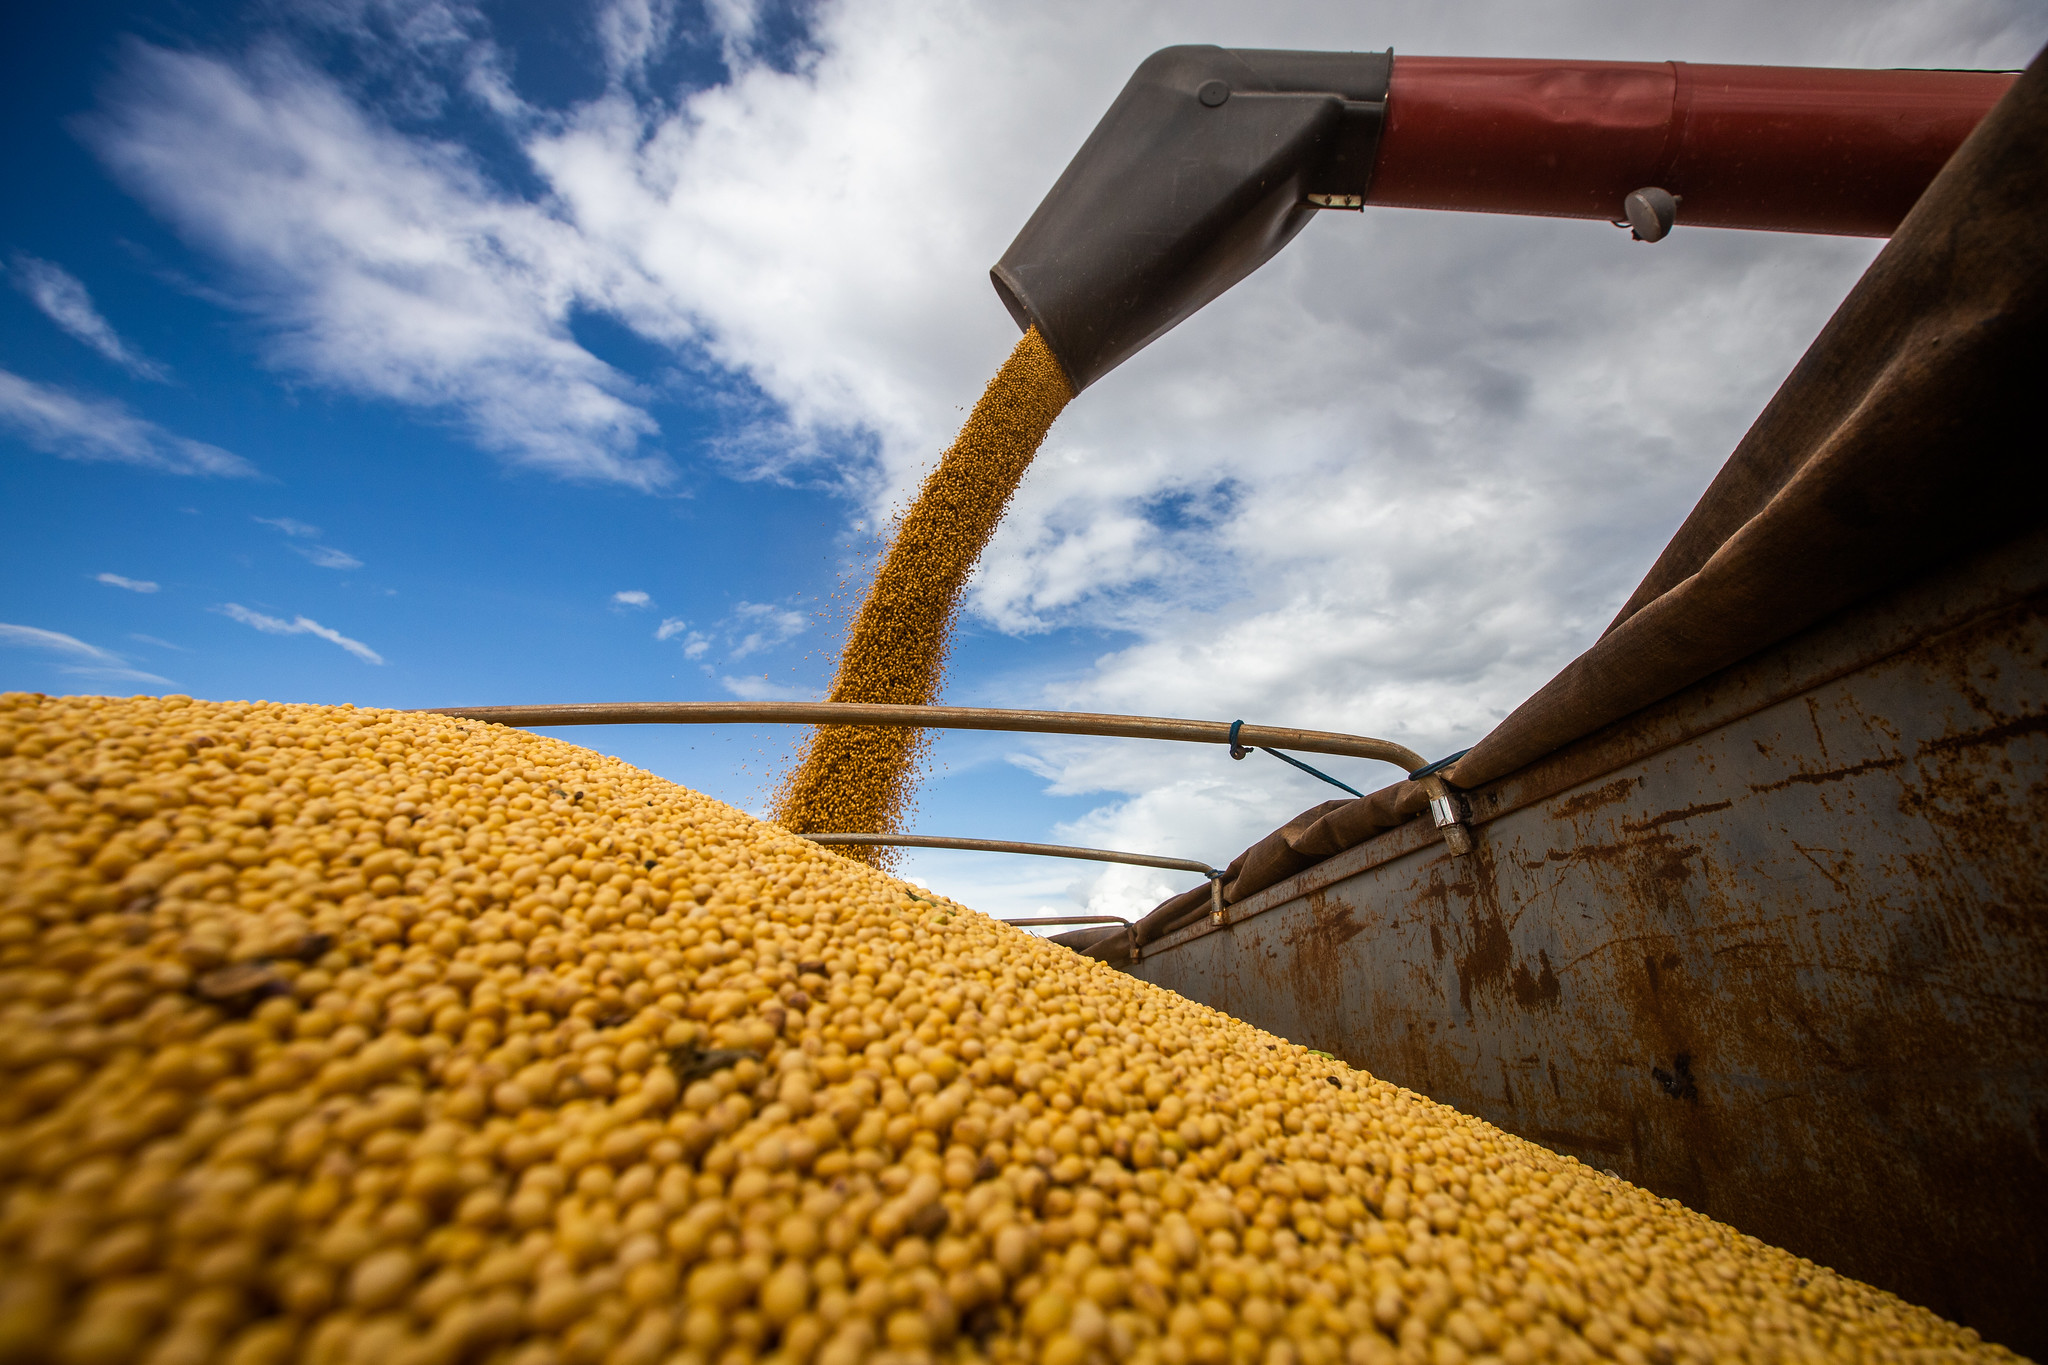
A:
[1786,149]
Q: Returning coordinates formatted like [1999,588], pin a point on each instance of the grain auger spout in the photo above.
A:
[1212,159]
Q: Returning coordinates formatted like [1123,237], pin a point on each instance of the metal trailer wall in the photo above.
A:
[1776,947]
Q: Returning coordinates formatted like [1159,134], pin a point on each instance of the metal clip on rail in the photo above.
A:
[1448,809]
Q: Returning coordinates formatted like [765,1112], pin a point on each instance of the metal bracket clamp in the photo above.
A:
[1216,897]
[1451,815]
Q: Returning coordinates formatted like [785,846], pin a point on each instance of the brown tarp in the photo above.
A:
[1902,438]
[1302,842]
[1080,940]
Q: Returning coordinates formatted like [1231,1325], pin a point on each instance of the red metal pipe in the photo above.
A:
[1789,149]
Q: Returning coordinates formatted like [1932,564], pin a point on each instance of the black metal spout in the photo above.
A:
[1206,165]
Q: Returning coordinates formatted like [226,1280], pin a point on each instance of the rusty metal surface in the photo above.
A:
[1777,948]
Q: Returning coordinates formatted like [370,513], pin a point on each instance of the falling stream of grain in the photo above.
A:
[857,779]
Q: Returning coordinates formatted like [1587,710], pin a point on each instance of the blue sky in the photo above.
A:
[407,352]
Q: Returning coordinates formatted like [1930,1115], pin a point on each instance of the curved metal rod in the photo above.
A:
[1071,919]
[941,718]
[1093,855]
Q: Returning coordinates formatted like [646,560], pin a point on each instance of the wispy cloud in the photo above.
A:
[325,556]
[765,626]
[114,580]
[116,675]
[695,643]
[65,301]
[631,598]
[155,643]
[74,427]
[760,689]
[298,625]
[80,660]
[55,642]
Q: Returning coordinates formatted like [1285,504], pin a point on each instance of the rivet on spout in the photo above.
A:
[1213,93]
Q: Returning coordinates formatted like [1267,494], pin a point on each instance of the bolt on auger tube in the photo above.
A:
[1212,159]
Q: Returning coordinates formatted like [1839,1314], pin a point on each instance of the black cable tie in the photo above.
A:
[1426,769]
[1312,772]
[1237,750]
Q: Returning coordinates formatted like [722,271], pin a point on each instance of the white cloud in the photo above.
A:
[73,427]
[114,580]
[65,301]
[116,675]
[323,556]
[761,689]
[154,642]
[299,625]
[81,659]
[327,557]
[55,642]
[635,598]
[761,625]
[696,644]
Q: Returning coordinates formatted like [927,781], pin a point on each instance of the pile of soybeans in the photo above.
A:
[857,779]
[375,1038]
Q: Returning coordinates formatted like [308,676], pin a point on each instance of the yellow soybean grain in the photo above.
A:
[349,1037]
[854,779]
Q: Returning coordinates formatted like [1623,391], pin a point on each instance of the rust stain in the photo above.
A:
[1995,734]
[1673,816]
[1657,864]
[1869,765]
[1593,800]
[1677,1083]
[1312,970]
[1539,989]
[1486,960]
[1654,966]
